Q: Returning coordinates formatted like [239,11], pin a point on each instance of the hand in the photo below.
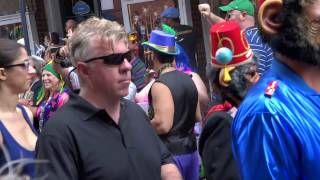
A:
[25,102]
[204,9]
[69,34]
[64,51]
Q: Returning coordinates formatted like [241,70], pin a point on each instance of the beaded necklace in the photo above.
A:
[162,68]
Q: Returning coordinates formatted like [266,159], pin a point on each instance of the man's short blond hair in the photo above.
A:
[88,33]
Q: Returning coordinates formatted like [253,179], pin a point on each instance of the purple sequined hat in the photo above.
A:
[162,42]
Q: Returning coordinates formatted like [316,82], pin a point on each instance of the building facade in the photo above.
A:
[11,22]
[45,16]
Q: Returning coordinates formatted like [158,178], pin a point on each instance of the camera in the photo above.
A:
[58,58]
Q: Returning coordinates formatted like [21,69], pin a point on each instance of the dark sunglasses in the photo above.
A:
[228,15]
[25,64]
[113,59]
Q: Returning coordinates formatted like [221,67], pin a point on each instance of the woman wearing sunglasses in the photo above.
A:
[52,95]
[17,134]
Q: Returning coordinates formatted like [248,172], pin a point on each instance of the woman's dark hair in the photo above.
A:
[9,51]
[163,58]
[54,37]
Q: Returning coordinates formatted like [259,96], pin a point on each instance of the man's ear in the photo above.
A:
[82,69]
[2,74]
[267,16]
[244,14]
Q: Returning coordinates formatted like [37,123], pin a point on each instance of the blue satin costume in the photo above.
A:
[278,136]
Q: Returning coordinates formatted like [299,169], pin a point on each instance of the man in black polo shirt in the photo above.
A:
[99,135]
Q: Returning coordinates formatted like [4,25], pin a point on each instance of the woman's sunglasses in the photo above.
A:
[25,64]
[113,59]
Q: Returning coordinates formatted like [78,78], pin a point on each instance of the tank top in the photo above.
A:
[15,150]
[180,139]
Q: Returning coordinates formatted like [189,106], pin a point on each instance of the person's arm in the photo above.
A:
[163,107]
[143,94]
[60,155]
[215,147]
[203,98]
[198,113]
[211,18]
[265,147]
[170,172]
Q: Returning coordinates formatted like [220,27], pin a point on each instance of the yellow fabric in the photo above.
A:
[226,74]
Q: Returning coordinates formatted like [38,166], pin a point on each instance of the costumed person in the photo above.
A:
[182,63]
[52,95]
[174,106]
[232,73]
[243,12]
[16,131]
[182,60]
[275,134]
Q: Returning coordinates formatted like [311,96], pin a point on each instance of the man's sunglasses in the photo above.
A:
[113,59]
[25,64]
[229,15]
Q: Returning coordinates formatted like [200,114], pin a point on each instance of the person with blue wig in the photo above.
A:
[174,106]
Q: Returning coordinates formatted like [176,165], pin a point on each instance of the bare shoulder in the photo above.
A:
[159,88]
[161,93]
[196,77]
[198,82]
[170,171]
[194,74]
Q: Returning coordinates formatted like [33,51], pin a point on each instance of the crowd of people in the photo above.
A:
[93,108]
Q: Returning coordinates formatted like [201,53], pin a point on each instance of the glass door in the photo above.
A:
[11,31]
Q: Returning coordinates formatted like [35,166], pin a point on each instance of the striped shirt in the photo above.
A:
[73,79]
[262,50]
[137,72]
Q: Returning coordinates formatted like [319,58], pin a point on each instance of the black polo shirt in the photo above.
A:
[83,142]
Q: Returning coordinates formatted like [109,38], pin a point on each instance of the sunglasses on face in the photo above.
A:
[113,59]
[229,15]
[25,65]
